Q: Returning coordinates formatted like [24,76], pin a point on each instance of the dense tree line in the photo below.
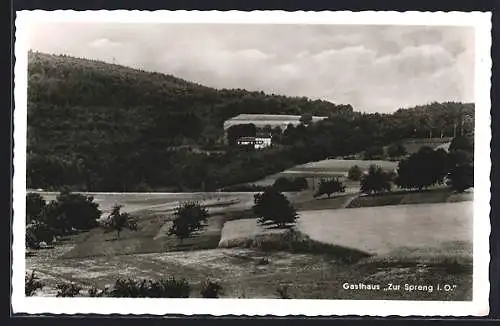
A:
[101,127]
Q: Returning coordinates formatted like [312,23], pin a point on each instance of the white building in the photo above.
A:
[256,142]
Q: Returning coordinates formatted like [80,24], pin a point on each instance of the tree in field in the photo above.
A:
[34,206]
[375,181]
[355,173]
[464,143]
[329,187]
[306,118]
[396,150]
[37,232]
[423,169]
[70,212]
[188,218]
[461,177]
[272,207]
[118,221]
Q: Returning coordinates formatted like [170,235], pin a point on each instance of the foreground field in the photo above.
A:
[395,240]
[242,274]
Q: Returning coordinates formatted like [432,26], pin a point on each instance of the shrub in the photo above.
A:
[211,289]
[169,288]
[188,218]
[271,206]
[282,292]
[95,292]
[37,232]
[263,261]
[373,153]
[32,284]
[329,187]
[355,173]
[68,290]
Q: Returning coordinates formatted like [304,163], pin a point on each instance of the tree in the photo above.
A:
[375,181]
[188,218]
[462,177]
[396,150]
[272,207]
[240,130]
[306,118]
[70,212]
[464,143]
[354,173]
[118,221]
[373,153]
[329,187]
[422,169]
[37,232]
[34,206]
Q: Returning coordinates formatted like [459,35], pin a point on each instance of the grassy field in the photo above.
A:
[377,230]
[401,251]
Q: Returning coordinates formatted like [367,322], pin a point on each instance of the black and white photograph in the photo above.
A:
[321,163]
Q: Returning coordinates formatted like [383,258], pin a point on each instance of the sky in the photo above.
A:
[373,68]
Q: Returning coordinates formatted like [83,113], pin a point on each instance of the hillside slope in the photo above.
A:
[103,127]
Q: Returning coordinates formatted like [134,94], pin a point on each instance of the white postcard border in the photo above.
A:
[481,21]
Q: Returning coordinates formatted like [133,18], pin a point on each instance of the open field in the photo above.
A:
[376,231]
[394,239]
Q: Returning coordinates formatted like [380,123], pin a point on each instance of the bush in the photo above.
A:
[188,218]
[282,292]
[68,290]
[373,153]
[355,173]
[95,292]
[32,284]
[328,187]
[211,289]
[271,206]
[169,288]
[37,232]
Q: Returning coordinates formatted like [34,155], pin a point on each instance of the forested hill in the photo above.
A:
[85,92]
[104,127]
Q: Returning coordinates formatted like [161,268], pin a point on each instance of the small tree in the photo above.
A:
[37,232]
[354,173]
[34,206]
[118,221]
[189,217]
[464,143]
[375,181]
[271,206]
[329,187]
[373,153]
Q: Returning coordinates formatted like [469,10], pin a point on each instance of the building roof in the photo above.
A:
[273,120]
